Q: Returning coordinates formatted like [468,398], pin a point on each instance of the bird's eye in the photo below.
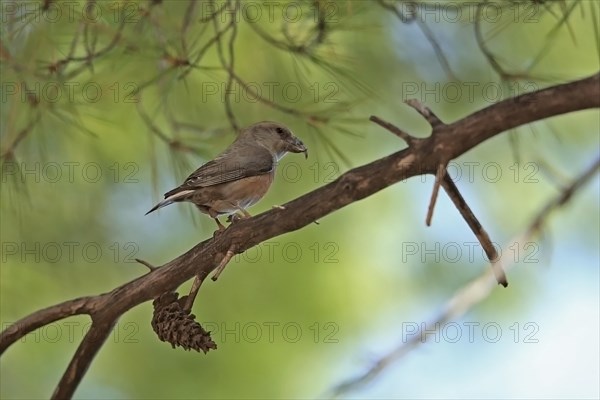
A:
[279,130]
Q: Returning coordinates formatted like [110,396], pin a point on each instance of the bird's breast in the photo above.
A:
[246,192]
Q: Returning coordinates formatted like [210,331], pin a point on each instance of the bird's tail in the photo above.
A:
[179,196]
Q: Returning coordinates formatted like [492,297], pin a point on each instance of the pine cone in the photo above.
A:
[173,325]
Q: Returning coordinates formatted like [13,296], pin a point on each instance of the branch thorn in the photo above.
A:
[409,139]
[230,253]
[425,112]
[441,173]
[189,301]
[480,233]
[146,264]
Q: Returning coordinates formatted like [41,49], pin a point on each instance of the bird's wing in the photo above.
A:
[235,163]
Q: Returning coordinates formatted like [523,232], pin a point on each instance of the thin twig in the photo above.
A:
[229,67]
[473,222]
[564,197]
[230,253]
[439,176]
[439,53]
[429,115]
[146,264]
[410,140]
[189,302]
[10,149]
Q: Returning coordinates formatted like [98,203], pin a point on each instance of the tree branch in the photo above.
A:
[471,294]
[43,317]
[480,233]
[449,142]
[82,359]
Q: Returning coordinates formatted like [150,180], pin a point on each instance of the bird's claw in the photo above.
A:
[221,228]
[233,218]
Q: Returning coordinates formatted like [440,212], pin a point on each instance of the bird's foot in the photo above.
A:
[221,228]
[235,217]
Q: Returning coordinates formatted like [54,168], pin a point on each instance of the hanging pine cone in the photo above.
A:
[173,325]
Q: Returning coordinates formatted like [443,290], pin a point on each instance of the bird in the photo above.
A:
[240,176]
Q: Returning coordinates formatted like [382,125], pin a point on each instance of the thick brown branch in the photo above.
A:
[511,113]
[81,305]
[450,141]
[82,359]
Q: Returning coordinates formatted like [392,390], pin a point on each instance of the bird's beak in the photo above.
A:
[298,147]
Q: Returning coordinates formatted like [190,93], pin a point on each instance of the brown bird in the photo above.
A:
[241,175]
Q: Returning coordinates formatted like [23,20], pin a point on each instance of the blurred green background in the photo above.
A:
[303,312]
